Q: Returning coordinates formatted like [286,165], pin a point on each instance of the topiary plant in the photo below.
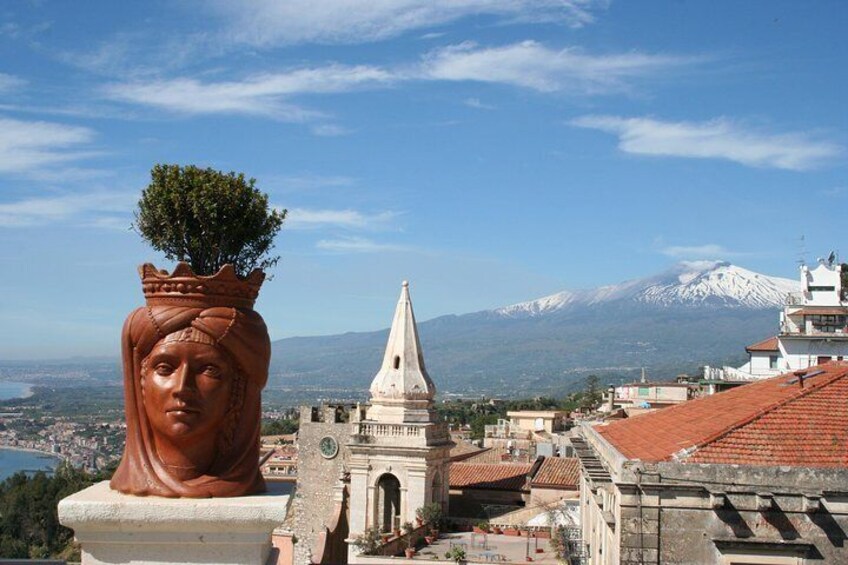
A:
[208,219]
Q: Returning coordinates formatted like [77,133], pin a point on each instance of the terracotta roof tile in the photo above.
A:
[561,472]
[464,450]
[489,476]
[769,344]
[770,422]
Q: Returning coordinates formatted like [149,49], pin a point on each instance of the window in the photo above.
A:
[773,361]
[828,323]
[822,288]
[396,363]
[644,391]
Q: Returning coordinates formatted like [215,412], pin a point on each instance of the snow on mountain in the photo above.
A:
[690,283]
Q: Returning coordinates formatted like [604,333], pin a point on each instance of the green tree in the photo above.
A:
[208,219]
[279,427]
[592,394]
[478,425]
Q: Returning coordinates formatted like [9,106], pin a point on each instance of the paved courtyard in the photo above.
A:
[490,548]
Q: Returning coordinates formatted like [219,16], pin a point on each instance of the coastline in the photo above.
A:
[32,450]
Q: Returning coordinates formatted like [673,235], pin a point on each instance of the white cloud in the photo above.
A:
[9,82]
[304,182]
[271,22]
[530,64]
[526,64]
[721,138]
[303,218]
[95,209]
[358,245]
[27,146]
[475,103]
[707,251]
[329,130]
[264,95]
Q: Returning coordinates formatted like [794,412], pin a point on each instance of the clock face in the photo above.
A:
[328,446]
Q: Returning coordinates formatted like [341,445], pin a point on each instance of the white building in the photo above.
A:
[813,329]
[400,450]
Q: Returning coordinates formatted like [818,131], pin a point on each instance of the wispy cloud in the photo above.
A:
[527,64]
[303,218]
[835,191]
[721,138]
[267,23]
[530,64]
[304,182]
[475,103]
[358,245]
[706,251]
[93,209]
[26,146]
[10,82]
[262,95]
[329,130]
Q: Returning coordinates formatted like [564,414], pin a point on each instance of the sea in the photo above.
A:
[12,460]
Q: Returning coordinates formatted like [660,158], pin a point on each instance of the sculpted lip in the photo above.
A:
[182,410]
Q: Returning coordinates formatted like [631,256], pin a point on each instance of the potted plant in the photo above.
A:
[481,527]
[431,514]
[368,541]
[511,531]
[456,554]
[208,219]
[497,530]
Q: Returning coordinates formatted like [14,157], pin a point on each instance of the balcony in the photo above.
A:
[413,435]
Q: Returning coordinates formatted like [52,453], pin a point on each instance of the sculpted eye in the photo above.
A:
[163,369]
[212,371]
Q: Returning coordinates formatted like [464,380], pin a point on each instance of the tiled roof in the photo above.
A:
[559,472]
[775,421]
[464,450]
[820,311]
[769,344]
[489,476]
[497,455]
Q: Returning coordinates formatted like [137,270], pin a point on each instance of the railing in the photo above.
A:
[727,374]
[401,431]
[795,299]
[388,430]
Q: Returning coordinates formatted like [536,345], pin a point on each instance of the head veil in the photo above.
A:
[240,332]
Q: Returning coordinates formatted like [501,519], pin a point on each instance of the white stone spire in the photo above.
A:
[403,377]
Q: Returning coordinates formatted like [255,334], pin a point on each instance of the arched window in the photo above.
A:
[388,503]
[396,362]
[438,489]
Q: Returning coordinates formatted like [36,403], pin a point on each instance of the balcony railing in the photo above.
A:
[795,299]
[401,432]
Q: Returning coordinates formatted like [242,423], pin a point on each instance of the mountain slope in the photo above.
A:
[697,283]
[673,322]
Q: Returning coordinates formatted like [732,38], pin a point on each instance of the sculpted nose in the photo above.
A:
[185,382]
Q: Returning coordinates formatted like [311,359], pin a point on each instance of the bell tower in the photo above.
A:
[399,450]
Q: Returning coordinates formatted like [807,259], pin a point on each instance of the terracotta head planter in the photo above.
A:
[195,360]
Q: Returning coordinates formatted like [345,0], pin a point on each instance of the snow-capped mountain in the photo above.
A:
[695,283]
[693,314]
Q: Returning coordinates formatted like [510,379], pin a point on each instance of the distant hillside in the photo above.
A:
[695,313]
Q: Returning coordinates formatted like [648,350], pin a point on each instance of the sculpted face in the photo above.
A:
[186,389]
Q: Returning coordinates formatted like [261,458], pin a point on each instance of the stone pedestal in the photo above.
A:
[115,528]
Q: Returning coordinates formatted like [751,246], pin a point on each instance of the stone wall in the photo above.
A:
[317,477]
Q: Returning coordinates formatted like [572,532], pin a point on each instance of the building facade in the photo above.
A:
[756,474]
[399,449]
[813,329]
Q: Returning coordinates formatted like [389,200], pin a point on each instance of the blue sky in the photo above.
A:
[491,151]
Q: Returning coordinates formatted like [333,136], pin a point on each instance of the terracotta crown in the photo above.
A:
[184,288]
